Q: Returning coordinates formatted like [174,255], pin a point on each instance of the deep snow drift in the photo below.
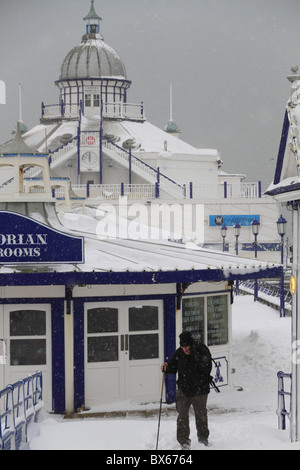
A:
[238,419]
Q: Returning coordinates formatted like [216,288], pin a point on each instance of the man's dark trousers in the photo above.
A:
[183,404]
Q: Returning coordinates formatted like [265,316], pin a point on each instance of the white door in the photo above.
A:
[124,350]
[27,334]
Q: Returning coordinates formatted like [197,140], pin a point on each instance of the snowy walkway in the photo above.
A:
[238,419]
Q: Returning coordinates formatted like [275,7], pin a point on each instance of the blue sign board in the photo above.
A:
[24,240]
[230,220]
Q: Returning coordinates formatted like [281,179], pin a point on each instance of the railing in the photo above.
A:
[268,292]
[21,403]
[118,110]
[282,411]
[240,190]
[168,185]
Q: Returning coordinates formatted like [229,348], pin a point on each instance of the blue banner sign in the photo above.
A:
[230,220]
[24,240]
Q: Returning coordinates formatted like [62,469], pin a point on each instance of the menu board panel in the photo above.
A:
[193,317]
[217,320]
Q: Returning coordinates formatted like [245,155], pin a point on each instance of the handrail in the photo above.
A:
[282,412]
[23,405]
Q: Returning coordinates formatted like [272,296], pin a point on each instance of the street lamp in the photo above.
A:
[281,227]
[255,230]
[224,233]
[237,231]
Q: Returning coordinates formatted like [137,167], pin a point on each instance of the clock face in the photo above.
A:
[89,159]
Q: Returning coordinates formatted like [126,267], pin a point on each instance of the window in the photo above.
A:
[26,352]
[101,346]
[88,100]
[143,347]
[143,318]
[27,323]
[27,329]
[96,101]
[103,349]
[217,320]
[206,318]
[193,317]
[103,320]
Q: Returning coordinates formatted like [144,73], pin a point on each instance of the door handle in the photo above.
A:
[124,342]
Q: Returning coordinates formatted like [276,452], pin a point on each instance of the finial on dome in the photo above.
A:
[295,75]
[92,21]
[171,126]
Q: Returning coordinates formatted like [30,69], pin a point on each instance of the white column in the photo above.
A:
[69,362]
[295,414]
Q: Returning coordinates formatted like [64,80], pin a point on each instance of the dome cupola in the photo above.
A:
[92,58]
[92,76]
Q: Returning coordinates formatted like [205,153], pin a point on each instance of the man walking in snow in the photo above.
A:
[193,363]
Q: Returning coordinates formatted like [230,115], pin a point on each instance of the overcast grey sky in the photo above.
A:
[227,60]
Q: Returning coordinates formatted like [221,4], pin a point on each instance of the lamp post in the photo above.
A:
[255,230]
[224,233]
[281,227]
[237,231]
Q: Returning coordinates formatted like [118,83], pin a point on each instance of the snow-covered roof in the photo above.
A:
[17,145]
[151,138]
[148,138]
[112,260]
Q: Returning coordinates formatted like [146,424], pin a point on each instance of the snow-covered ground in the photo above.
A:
[238,420]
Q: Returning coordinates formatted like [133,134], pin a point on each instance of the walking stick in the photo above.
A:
[161,399]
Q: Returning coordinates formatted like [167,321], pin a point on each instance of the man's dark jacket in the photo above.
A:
[193,369]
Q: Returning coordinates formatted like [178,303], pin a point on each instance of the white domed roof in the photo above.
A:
[93,58]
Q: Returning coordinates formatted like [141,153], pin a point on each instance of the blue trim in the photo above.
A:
[125,278]
[282,147]
[170,345]
[284,189]
[58,356]
[129,167]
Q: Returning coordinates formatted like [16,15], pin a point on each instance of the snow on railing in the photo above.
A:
[117,110]
[282,411]
[268,292]
[21,403]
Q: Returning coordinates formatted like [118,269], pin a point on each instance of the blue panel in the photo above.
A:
[24,240]
[170,344]
[282,147]
[230,220]
[58,356]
